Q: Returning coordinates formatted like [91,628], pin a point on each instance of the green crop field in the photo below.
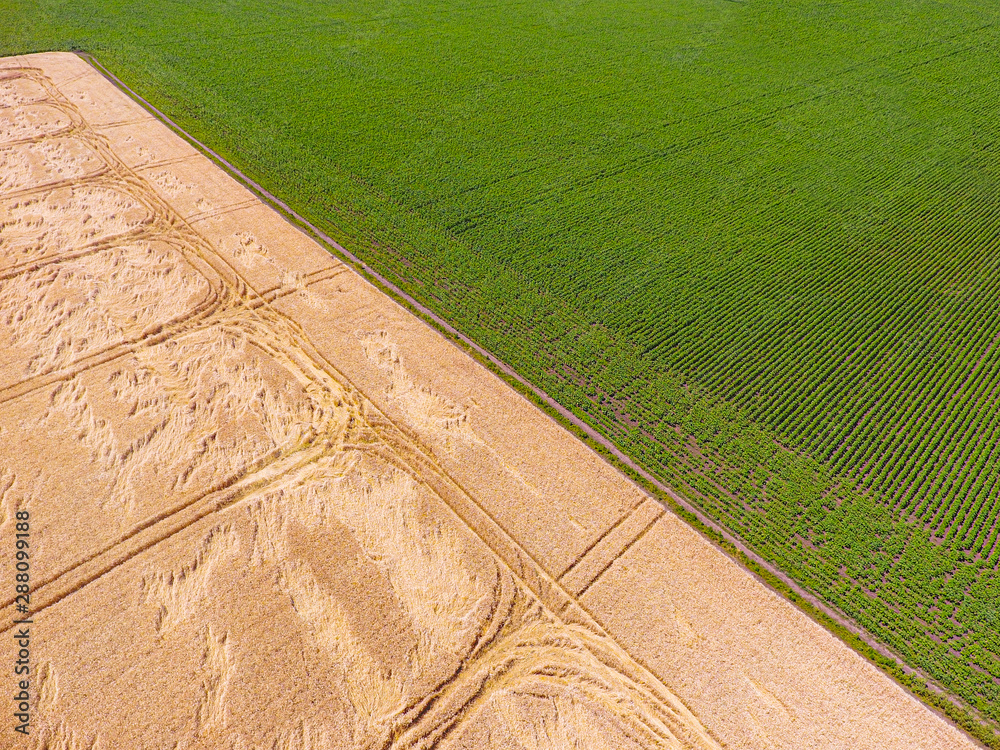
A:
[756,244]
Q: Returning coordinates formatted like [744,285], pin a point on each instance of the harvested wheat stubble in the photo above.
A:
[271,509]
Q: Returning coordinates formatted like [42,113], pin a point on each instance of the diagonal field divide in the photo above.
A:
[731,545]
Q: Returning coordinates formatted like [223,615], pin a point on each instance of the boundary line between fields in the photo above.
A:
[675,498]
